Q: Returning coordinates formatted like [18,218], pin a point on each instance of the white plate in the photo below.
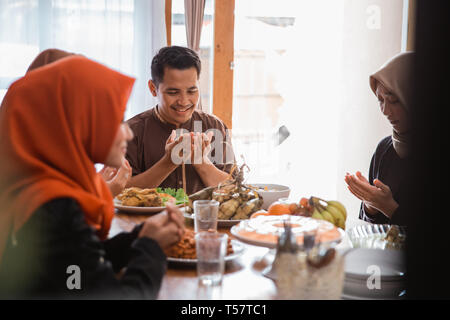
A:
[360,263]
[264,225]
[384,270]
[220,223]
[238,250]
[345,296]
[138,210]
[386,291]
[372,236]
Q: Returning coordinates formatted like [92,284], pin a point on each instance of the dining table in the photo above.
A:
[246,277]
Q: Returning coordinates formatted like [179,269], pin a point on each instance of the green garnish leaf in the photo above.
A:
[179,195]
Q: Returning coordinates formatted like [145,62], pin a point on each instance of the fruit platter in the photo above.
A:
[329,210]
[264,230]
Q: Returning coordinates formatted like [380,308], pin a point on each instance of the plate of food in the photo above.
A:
[378,236]
[237,200]
[264,231]
[184,251]
[144,201]
[220,223]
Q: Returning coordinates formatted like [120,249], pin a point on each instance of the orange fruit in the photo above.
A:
[293,207]
[304,202]
[277,208]
[259,213]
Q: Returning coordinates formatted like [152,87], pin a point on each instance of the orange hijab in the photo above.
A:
[48,56]
[55,123]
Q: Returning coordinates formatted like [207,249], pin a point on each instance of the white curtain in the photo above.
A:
[123,34]
[194,11]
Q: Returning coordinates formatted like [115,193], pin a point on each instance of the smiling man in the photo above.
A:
[154,153]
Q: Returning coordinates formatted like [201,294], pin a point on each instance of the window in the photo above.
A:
[304,66]
[113,32]
[261,41]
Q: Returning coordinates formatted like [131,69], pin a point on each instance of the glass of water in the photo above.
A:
[205,215]
[211,250]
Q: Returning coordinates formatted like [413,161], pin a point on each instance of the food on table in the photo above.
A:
[137,197]
[266,189]
[185,248]
[261,212]
[333,211]
[237,200]
[179,194]
[278,208]
[293,207]
[304,202]
[302,208]
[266,229]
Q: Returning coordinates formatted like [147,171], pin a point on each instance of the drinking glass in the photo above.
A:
[211,250]
[205,215]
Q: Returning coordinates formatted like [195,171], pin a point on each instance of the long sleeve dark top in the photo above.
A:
[57,237]
[391,170]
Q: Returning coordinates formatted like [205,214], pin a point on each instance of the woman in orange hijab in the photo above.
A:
[48,56]
[116,179]
[55,123]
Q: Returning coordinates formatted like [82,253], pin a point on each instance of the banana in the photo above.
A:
[337,215]
[316,215]
[327,216]
[338,205]
[334,212]
[319,207]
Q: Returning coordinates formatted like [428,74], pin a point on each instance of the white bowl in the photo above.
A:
[276,192]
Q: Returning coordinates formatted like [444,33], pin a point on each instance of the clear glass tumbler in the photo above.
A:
[205,215]
[211,250]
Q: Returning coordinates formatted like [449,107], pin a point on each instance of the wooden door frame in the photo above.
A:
[168,16]
[222,105]
[411,25]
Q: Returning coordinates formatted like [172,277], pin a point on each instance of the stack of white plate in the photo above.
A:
[373,236]
[374,274]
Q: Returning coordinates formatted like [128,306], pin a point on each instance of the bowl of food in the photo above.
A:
[271,192]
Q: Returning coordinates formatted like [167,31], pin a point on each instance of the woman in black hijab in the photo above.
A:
[383,194]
